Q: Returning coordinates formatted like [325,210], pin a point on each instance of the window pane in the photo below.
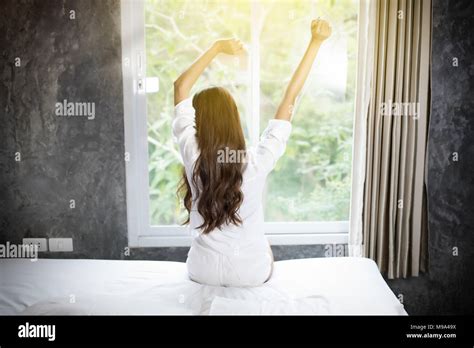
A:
[176,33]
[312,180]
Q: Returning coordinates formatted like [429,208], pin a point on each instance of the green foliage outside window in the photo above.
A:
[312,180]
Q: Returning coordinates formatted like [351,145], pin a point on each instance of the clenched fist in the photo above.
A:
[320,29]
[230,46]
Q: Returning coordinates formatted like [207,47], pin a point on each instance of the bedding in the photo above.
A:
[322,286]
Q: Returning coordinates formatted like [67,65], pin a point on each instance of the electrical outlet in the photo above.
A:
[40,242]
[60,244]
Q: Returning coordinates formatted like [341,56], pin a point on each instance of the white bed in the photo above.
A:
[344,286]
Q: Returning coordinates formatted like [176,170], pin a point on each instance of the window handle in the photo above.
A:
[140,85]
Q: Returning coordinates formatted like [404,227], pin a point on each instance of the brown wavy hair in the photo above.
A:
[217,185]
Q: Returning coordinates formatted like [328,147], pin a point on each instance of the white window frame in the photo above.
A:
[140,231]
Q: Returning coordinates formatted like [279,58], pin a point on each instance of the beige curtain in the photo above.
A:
[388,211]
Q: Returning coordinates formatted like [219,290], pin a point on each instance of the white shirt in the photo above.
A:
[260,162]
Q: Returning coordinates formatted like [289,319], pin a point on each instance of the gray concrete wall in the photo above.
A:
[62,158]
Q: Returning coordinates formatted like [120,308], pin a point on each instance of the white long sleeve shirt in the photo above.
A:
[249,236]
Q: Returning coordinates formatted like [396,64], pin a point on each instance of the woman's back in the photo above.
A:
[239,254]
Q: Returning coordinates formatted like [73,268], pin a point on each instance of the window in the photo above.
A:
[308,194]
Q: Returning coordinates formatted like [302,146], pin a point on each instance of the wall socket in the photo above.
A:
[60,244]
[40,242]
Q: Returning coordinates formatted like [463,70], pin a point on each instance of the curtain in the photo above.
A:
[388,203]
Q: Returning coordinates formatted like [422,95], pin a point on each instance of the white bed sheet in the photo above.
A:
[343,285]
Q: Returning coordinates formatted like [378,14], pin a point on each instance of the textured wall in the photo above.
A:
[449,285]
[62,158]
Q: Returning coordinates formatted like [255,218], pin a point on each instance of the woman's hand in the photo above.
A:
[320,30]
[230,46]
[184,83]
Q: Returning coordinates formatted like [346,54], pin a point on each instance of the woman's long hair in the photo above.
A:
[217,180]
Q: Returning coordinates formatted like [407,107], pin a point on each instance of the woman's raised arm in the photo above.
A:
[320,31]
[184,83]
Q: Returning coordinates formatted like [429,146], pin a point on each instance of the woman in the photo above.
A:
[222,189]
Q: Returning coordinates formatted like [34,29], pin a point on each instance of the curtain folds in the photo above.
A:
[388,208]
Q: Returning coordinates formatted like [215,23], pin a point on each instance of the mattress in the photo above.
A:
[321,286]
